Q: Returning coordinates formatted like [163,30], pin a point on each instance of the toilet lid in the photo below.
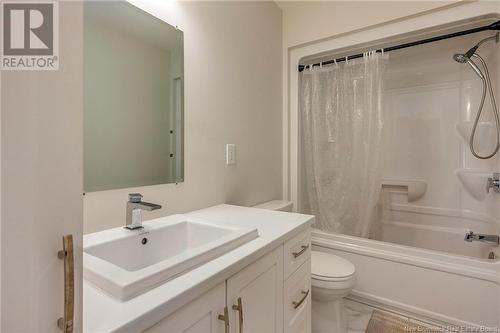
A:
[328,266]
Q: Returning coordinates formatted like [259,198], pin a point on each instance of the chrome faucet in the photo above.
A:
[494,183]
[471,236]
[135,205]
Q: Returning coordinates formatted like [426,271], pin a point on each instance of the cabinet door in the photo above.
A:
[260,287]
[199,316]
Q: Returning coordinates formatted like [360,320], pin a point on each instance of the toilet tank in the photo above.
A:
[284,206]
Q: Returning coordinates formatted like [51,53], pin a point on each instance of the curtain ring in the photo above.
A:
[335,62]
[346,60]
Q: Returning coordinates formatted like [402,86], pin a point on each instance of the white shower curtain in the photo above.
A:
[341,128]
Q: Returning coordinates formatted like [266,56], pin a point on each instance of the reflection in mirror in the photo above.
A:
[133,98]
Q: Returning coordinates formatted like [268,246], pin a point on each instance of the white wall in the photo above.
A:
[307,21]
[232,95]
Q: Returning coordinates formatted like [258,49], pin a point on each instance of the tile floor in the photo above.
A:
[358,315]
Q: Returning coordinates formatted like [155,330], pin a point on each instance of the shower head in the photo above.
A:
[465,57]
[461,58]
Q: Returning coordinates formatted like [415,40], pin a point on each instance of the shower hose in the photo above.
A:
[486,84]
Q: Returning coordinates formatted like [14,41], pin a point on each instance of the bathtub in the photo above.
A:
[433,286]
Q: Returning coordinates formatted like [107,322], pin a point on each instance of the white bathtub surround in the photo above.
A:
[434,287]
[342,123]
[437,229]
[415,189]
[474,182]
[485,134]
[107,314]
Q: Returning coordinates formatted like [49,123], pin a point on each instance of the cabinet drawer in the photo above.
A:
[297,251]
[297,299]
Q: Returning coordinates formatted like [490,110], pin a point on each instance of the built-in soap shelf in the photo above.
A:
[485,138]
[415,188]
[474,182]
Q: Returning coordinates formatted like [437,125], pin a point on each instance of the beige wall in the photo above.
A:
[232,95]
[307,21]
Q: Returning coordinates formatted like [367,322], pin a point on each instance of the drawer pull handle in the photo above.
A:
[303,249]
[299,303]
[225,319]
[66,254]
[239,307]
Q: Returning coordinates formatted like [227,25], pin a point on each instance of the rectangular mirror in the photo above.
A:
[133,98]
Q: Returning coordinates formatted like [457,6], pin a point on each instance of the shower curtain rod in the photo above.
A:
[493,26]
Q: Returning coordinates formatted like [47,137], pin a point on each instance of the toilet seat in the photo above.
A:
[329,269]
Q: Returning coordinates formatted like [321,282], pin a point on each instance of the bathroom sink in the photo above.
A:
[126,263]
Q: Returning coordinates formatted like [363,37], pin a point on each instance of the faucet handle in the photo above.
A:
[135,197]
[489,184]
[494,183]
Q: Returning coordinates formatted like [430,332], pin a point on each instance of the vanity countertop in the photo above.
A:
[102,313]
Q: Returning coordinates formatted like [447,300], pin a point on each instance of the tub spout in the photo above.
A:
[471,236]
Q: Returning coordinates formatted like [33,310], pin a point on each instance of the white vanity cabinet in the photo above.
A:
[255,296]
[198,316]
[273,294]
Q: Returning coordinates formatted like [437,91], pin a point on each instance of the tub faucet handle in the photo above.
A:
[471,236]
[494,183]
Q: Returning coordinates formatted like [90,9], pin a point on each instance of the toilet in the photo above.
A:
[332,279]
